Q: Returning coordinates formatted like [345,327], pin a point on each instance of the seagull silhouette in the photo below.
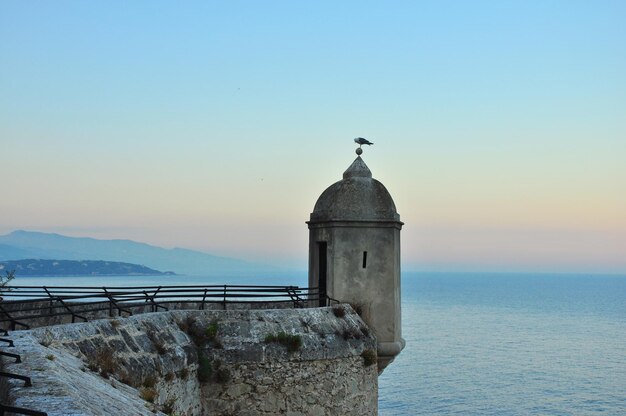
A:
[361,141]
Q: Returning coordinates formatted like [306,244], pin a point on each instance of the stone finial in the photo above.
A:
[358,169]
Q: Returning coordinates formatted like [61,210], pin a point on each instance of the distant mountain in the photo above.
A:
[35,245]
[10,252]
[32,267]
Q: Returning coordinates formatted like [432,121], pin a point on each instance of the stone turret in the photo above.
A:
[354,253]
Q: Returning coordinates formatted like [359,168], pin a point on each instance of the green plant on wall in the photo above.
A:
[291,342]
[211,331]
[212,370]
[205,369]
[200,336]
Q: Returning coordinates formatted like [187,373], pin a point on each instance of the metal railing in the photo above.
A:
[8,409]
[12,410]
[23,303]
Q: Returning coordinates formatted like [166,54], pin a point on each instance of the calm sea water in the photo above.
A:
[509,345]
[489,344]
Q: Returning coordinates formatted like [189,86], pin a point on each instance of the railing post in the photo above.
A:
[154,295]
[104,289]
[66,306]
[13,321]
[8,341]
[18,358]
[50,296]
[203,299]
[148,300]
[154,306]
[25,379]
[5,409]
[113,303]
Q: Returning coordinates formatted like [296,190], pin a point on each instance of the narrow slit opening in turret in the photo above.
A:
[364,259]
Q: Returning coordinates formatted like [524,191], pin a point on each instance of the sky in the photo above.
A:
[499,127]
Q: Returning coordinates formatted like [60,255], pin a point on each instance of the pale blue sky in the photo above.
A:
[499,127]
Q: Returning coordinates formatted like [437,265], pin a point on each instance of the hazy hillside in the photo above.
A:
[32,267]
[28,244]
[10,252]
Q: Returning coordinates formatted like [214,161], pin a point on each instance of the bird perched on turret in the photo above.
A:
[361,141]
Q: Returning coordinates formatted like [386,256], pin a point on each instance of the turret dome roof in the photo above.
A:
[357,197]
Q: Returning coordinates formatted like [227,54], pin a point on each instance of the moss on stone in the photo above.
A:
[291,342]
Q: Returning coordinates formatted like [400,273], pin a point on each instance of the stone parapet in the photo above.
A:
[188,362]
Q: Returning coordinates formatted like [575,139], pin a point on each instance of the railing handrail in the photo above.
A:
[10,287]
[77,292]
[64,300]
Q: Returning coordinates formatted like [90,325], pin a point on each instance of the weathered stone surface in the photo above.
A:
[354,253]
[326,387]
[54,313]
[62,385]
[161,355]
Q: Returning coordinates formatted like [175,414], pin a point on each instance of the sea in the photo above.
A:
[486,343]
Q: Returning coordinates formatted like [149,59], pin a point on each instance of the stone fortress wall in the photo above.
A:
[318,361]
[47,313]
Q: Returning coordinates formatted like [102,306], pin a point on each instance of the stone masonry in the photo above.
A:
[318,361]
